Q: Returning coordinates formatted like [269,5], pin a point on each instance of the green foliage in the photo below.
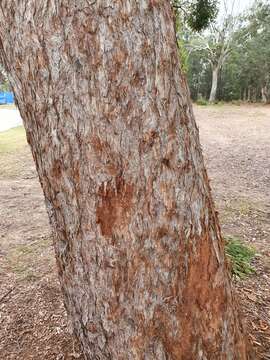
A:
[198,14]
[4,86]
[191,15]
[201,14]
[179,24]
[240,256]
[201,101]
[245,72]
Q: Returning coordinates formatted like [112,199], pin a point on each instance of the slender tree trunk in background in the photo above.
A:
[265,95]
[245,94]
[254,95]
[109,121]
[249,94]
[213,93]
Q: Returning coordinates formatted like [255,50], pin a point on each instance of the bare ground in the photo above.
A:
[33,323]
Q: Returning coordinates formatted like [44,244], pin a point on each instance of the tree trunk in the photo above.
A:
[112,132]
[265,95]
[213,93]
[254,94]
[245,94]
[249,94]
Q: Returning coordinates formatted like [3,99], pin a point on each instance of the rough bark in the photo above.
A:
[213,93]
[112,132]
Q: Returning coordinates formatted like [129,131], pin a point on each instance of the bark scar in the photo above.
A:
[114,209]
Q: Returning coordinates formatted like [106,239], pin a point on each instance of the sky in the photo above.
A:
[239,5]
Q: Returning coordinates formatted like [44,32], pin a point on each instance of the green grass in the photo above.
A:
[202,102]
[240,256]
[12,140]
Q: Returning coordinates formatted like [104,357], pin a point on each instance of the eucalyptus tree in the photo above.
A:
[246,73]
[109,120]
[257,50]
[215,43]
[198,14]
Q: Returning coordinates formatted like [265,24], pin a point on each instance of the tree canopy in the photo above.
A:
[197,13]
[241,46]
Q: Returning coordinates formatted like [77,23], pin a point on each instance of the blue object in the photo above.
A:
[6,98]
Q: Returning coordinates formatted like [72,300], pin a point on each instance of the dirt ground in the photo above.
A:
[33,324]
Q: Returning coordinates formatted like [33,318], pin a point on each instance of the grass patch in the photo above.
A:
[24,258]
[12,140]
[240,256]
[219,103]
[236,102]
[15,155]
[202,102]
[241,205]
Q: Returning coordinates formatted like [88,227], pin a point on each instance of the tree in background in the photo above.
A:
[108,117]
[191,16]
[246,74]
[198,14]
[215,45]
[239,57]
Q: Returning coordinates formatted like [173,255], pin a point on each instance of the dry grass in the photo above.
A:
[21,259]
[9,106]
[12,140]
[13,153]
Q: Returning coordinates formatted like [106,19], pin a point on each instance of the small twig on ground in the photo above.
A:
[6,294]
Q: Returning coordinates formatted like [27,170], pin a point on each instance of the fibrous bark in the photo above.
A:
[112,132]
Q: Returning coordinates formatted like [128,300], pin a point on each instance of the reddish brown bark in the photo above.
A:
[109,121]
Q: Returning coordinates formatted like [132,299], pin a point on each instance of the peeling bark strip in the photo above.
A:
[109,121]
